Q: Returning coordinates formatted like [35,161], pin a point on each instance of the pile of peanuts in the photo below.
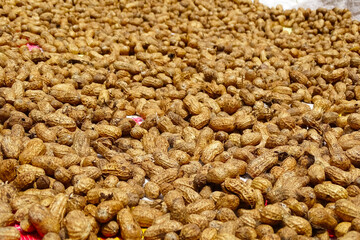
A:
[251,118]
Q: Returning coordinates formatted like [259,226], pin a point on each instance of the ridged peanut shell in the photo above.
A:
[58,206]
[354,155]
[110,229]
[48,163]
[30,169]
[8,169]
[336,75]
[33,148]
[201,120]
[83,185]
[299,224]
[190,231]
[9,233]
[159,229]
[127,66]
[245,192]
[244,121]
[228,201]
[189,194]
[108,131]
[162,159]
[347,210]
[192,104]
[130,229]
[91,172]
[251,138]
[145,215]
[298,77]
[247,97]
[337,155]
[211,151]
[342,229]
[97,195]
[226,124]
[152,190]
[228,170]
[350,235]
[316,173]
[354,121]
[320,218]
[200,205]
[225,215]
[60,150]
[59,119]
[107,210]
[167,176]
[25,200]
[330,192]
[65,93]
[272,214]
[261,164]
[63,175]
[263,184]
[44,133]
[122,170]
[51,236]
[152,82]
[208,234]
[338,176]
[43,220]
[77,225]
[199,220]
[226,236]
[6,219]
[11,146]
[5,207]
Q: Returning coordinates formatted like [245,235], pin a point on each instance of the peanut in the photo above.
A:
[225,91]
[9,233]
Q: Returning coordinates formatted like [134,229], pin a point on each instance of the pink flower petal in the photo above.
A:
[137,119]
[33,46]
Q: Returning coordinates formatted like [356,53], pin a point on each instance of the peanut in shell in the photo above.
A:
[9,233]
[261,164]
[77,225]
[346,210]
[330,192]
[299,224]
[246,193]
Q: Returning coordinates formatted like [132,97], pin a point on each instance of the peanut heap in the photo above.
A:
[225,90]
